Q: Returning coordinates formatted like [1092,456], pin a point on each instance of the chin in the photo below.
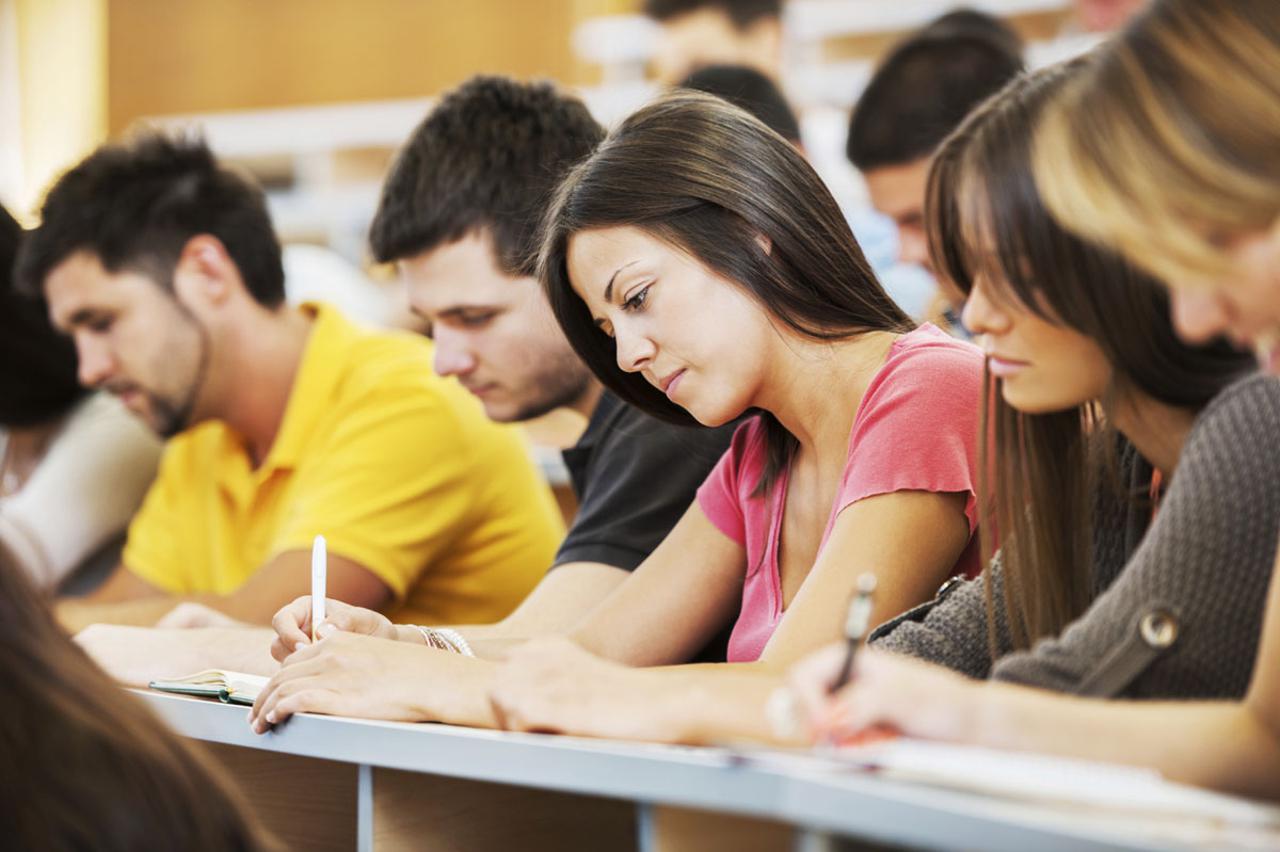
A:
[502,413]
[713,416]
[1032,404]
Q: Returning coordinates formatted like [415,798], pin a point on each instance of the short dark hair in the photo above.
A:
[972,22]
[136,204]
[751,90]
[743,13]
[488,156]
[922,91]
[37,365]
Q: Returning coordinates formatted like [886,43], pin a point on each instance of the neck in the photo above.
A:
[807,375]
[1157,430]
[261,356]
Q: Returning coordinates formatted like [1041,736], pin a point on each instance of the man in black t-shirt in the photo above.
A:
[459,218]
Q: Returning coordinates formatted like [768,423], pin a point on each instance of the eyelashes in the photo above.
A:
[636,302]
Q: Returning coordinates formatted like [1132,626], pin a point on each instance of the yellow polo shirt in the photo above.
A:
[398,468]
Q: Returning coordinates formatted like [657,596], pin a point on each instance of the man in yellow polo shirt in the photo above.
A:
[288,423]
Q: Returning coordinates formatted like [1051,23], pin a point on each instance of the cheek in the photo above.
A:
[1083,373]
[1257,294]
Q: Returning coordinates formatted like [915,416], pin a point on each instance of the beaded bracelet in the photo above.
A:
[445,639]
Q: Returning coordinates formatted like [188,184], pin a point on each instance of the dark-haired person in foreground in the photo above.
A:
[88,766]
[697,33]
[459,217]
[285,423]
[918,94]
[74,465]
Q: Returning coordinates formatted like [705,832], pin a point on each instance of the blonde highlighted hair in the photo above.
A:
[1170,142]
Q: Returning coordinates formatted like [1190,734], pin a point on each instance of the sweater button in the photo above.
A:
[1159,629]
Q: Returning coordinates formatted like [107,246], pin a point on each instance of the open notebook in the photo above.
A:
[229,687]
[1061,782]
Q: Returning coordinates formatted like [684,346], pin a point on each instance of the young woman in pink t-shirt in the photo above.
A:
[700,267]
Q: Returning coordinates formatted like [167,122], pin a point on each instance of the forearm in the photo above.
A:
[716,702]
[137,655]
[75,614]
[456,691]
[1223,745]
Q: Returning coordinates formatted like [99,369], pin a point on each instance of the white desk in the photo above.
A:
[378,764]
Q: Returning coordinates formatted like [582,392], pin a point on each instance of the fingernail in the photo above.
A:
[301,643]
[326,629]
[271,717]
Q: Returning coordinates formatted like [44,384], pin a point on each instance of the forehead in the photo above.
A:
[897,190]
[460,274]
[81,283]
[602,250]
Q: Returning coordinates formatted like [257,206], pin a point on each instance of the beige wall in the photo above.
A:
[61,91]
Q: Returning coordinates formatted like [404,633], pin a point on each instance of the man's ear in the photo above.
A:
[205,271]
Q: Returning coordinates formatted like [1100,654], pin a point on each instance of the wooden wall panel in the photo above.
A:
[179,56]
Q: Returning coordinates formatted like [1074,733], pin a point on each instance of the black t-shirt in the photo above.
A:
[634,476]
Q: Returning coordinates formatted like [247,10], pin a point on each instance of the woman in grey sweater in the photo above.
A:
[1081,347]
[1145,152]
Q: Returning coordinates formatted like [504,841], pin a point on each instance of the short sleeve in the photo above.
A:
[642,477]
[917,428]
[88,485]
[389,489]
[722,495]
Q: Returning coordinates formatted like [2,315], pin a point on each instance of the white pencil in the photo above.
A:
[319,567]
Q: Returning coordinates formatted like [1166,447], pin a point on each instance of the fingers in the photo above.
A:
[810,680]
[302,695]
[266,710]
[292,624]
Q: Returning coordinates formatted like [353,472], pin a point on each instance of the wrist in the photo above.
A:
[408,633]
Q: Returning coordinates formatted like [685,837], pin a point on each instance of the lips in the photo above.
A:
[1002,367]
[480,390]
[667,384]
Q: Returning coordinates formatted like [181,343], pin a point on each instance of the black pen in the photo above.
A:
[855,627]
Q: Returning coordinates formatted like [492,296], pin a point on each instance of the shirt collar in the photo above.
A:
[323,360]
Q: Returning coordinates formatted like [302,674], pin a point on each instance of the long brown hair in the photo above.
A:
[1037,472]
[1172,138]
[83,765]
[710,179]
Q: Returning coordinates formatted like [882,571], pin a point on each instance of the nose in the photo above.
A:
[453,356]
[95,364]
[1198,314]
[981,314]
[635,351]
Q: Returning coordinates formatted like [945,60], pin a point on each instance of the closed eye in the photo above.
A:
[476,320]
[637,300]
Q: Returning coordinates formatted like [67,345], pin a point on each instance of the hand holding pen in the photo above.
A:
[857,624]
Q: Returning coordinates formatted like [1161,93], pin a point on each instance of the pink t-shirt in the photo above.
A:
[916,430]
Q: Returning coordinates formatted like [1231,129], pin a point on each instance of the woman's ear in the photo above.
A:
[766,244]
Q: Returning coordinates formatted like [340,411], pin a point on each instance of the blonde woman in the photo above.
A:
[1166,150]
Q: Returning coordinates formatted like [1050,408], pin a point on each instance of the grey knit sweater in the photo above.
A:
[1177,611]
